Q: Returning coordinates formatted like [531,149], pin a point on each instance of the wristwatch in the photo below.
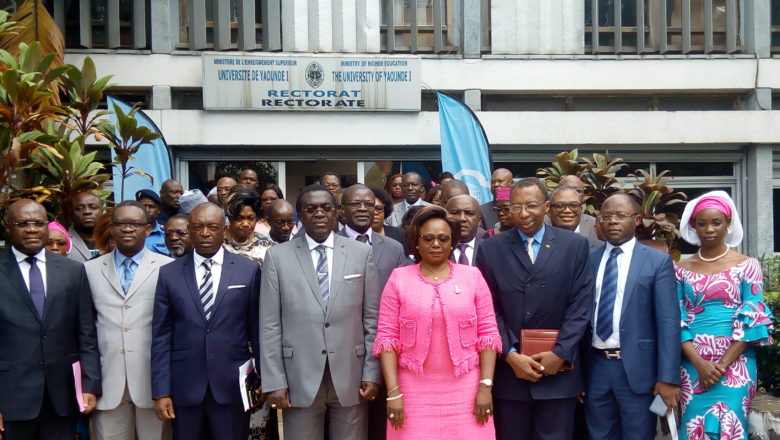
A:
[487,382]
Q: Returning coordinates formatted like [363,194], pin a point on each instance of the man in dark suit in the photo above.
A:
[540,279]
[359,204]
[566,212]
[635,342]
[206,319]
[501,178]
[464,210]
[47,323]
[452,188]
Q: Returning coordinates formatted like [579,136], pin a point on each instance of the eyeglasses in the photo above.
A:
[25,225]
[358,204]
[429,238]
[532,206]
[179,232]
[312,209]
[283,223]
[615,217]
[132,225]
[504,209]
[560,206]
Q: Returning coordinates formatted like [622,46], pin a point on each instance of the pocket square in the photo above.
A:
[237,286]
[353,276]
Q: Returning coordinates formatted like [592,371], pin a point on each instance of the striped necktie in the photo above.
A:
[206,288]
[322,274]
[530,249]
[607,296]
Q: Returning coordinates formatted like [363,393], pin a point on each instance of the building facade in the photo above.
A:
[686,85]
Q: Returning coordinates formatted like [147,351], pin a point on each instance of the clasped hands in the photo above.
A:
[532,368]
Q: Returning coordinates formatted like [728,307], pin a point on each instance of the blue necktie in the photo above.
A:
[322,274]
[128,270]
[607,298]
[37,292]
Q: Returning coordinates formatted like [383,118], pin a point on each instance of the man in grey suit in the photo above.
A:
[566,212]
[87,208]
[412,186]
[123,283]
[319,301]
[358,202]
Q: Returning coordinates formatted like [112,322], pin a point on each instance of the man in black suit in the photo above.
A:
[359,205]
[464,210]
[206,319]
[47,323]
[540,279]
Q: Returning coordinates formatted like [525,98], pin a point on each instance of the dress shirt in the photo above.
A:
[216,268]
[120,258]
[315,254]
[623,263]
[577,229]
[537,244]
[24,267]
[407,205]
[155,241]
[469,251]
[353,234]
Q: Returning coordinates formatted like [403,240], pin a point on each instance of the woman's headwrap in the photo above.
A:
[54,226]
[712,200]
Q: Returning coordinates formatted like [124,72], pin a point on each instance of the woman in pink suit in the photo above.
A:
[437,340]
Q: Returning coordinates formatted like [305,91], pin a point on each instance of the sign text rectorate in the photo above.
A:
[312,83]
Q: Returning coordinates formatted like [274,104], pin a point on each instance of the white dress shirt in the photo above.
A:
[24,267]
[353,234]
[216,268]
[417,203]
[469,251]
[315,255]
[623,263]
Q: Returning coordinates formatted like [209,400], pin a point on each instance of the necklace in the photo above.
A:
[435,274]
[709,260]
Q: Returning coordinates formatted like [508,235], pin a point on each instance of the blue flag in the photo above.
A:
[464,147]
[153,158]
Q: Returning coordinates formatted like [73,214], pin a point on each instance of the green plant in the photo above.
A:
[126,137]
[599,174]
[565,163]
[655,197]
[85,92]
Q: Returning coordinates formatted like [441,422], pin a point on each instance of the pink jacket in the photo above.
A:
[405,317]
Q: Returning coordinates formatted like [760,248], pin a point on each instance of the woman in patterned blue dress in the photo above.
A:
[723,318]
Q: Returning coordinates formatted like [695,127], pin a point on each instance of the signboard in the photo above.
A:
[310,83]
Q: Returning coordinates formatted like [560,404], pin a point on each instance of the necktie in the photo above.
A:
[363,238]
[463,258]
[322,274]
[128,270]
[37,292]
[206,289]
[530,249]
[607,297]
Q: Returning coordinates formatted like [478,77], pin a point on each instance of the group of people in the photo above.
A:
[402,312]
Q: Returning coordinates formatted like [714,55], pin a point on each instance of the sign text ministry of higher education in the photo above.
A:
[310,83]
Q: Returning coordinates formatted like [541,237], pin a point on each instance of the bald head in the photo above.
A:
[224,185]
[451,189]
[572,181]
[206,229]
[281,218]
[501,178]
[26,226]
[464,210]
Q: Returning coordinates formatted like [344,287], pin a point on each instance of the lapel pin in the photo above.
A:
[547,245]
[457,289]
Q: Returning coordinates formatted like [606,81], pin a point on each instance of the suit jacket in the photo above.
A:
[37,353]
[399,209]
[649,320]
[489,216]
[388,254]
[587,225]
[79,250]
[190,353]
[479,238]
[124,328]
[299,334]
[398,235]
[556,292]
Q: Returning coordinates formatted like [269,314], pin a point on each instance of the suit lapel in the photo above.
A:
[637,261]
[304,258]
[376,243]
[518,248]
[53,286]
[142,272]
[188,269]
[109,272]
[79,244]
[337,272]
[10,268]
[224,280]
